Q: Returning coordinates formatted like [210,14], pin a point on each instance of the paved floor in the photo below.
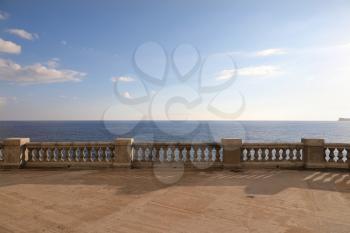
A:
[142,201]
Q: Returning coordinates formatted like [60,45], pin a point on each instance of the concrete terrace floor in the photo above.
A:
[134,200]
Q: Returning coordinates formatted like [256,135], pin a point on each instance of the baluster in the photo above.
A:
[245,153]
[1,155]
[55,154]
[295,154]
[85,154]
[77,154]
[301,154]
[140,154]
[267,154]
[169,154]
[192,154]
[92,154]
[63,154]
[221,152]
[199,154]
[177,154]
[252,154]
[100,154]
[344,153]
[108,154]
[287,154]
[184,154]
[161,154]
[70,154]
[273,153]
[336,155]
[206,154]
[280,152]
[41,154]
[154,154]
[48,154]
[147,154]
[34,156]
[259,154]
[213,154]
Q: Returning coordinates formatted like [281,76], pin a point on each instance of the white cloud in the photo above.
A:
[270,52]
[4,15]
[126,95]
[23,34]
[122,79]
[9,47]
[251,71]
[36,73]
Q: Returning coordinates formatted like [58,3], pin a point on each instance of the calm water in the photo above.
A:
[280,131]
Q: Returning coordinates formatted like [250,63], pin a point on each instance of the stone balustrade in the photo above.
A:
[190,154]
[336,155]
[124,152]
[272,154]
[69,154]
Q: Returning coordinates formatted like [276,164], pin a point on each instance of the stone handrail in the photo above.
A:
[123,152]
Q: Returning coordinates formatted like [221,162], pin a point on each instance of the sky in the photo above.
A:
[174,60]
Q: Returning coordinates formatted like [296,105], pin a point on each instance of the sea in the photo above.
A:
[177,131]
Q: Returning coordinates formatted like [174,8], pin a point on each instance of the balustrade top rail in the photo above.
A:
[65,144]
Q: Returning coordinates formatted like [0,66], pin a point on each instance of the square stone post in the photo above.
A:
[123,152]
[232,152]
[313,153]
[13,150]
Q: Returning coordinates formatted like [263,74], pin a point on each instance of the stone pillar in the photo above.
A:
[313,153]
[13,150]
[232,152]
[123,152]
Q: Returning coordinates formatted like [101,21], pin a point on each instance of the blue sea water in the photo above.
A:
[179,131]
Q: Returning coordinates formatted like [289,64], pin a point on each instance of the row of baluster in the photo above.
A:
[260,154]
[336,155]
[77,154]
[169,154]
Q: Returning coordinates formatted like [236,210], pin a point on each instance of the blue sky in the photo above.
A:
[92,60]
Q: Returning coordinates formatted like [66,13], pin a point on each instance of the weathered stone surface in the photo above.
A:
[134,200]
[12,151]
[232,152]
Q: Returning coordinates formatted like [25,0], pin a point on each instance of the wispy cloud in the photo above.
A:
[4,15]
[9,47]
[122,79]
[63,42]
[251,71]
[260,53]
[259,71]
[36,73]
[23,34]
[270,52]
